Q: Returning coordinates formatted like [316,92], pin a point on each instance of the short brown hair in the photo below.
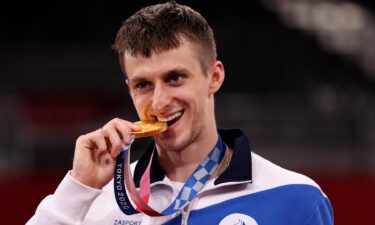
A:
[158,28]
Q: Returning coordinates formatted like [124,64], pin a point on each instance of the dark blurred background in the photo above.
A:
[300,79]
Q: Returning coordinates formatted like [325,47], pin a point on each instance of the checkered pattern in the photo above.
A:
[196,182]
[192,186]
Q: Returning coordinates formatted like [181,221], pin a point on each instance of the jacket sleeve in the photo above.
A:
[68,205]
[322,214]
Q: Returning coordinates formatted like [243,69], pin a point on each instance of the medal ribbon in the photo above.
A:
[123,182]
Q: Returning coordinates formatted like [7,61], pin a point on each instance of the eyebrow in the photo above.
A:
[139,78]
[174,72]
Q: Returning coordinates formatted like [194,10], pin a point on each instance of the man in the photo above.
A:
[193,173]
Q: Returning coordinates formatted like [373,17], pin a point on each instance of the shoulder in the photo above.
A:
[300,192]
[268,175]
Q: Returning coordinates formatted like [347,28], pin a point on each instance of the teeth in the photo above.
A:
[171,117]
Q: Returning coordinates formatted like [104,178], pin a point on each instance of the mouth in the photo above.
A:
[171,119]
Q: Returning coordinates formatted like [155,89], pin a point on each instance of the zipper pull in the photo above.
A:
[185,215]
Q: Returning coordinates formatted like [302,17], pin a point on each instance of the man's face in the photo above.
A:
[171,87]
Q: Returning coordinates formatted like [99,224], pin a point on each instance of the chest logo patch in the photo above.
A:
[238,219]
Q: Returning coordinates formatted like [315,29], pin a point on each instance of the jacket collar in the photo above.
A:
[239,168]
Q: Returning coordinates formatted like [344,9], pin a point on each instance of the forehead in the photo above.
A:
[184,57]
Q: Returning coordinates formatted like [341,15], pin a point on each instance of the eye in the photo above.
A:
[142,85]
[175,79]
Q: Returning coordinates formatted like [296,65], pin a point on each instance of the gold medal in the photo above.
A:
[149,128]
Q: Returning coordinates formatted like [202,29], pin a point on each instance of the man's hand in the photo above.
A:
[96,152]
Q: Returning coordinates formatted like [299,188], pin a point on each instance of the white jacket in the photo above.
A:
[251,191]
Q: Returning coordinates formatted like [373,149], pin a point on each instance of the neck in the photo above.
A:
[179,165]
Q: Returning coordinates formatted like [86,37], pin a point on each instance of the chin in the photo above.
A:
[169,142]
[172,141]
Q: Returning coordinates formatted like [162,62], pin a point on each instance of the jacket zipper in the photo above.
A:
[185,214]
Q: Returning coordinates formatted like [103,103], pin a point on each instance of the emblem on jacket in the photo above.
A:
[240,222]
[238,219]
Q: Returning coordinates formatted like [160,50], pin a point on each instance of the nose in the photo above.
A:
[161,98]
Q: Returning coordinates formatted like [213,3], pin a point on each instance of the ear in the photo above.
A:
[216,76]
[127,82]
[129,89]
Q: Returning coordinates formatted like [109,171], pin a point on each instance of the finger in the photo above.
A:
[99,141]
[89,147]
[117,132]
[133,126]
[125,130]
[93,140]
[113,139]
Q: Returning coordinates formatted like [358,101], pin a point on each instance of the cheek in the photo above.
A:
[140,104]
